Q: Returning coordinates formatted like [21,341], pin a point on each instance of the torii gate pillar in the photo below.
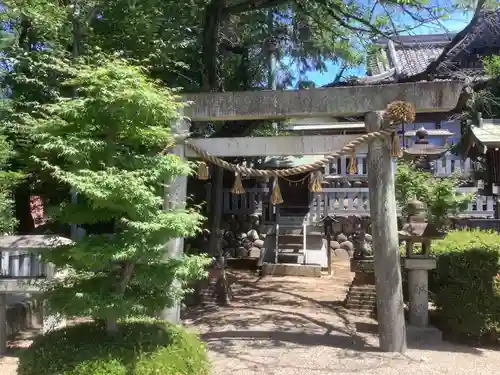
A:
[390,305]
[175,196]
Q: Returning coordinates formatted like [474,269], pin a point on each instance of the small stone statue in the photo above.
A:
[218,257]
[361,247]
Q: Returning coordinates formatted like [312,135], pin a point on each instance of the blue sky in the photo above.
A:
[455,23]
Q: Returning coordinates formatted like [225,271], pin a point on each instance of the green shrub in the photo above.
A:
[466,283]
[138,348]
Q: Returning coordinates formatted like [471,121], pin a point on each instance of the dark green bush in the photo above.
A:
[465,285]
[138,348]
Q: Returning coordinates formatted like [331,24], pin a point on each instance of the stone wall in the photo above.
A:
[344,235]
[243,236]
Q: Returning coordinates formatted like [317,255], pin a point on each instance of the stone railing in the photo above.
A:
[21,264]
[342,201]
[354,201]
[445,166]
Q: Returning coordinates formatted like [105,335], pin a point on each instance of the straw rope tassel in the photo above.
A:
[202,171]
[396,151]
[316,182]
[238,185]
[276,197]
[352,167]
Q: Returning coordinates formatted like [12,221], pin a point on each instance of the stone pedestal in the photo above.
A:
[3,323]
[363,269]
[418,289]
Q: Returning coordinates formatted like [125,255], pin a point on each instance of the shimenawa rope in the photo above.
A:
[349,148]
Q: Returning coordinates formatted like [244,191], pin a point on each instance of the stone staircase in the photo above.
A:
[291,248]
[362,297]
[361,300]
[296,241]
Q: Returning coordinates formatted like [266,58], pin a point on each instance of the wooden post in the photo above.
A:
[328,248]
[175,196]
[390,305]
[3,323]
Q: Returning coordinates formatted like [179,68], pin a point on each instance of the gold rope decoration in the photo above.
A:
[316,180]
[396,151]
[202,171]
[399,113]
[276,197]
[352,167]
[238,185]
[295,181]
[348,148]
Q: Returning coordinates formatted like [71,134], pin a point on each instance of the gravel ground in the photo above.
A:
[296,326]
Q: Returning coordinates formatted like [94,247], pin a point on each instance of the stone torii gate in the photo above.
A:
[370,101]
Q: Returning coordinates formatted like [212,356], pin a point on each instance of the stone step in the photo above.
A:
[285,250]
[290,246]
[360,307]
[363,288]
[293,230]
[357,292]
[361,299]
[306,270]
[362,313]
[291,237]
[355,301]
[291,258]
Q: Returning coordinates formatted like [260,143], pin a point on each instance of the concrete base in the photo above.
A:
[18,317]
[418,292]
[23,315]
[423,335]
[284,269]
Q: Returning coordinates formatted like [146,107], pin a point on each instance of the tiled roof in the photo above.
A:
[440,55]
[413,54]
[481,34]
[488,134]
[431,133]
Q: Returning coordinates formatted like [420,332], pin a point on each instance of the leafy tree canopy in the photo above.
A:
[107,144]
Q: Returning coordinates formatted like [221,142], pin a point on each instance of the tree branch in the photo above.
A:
[248,5]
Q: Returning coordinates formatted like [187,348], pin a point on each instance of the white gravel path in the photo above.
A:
[295,326]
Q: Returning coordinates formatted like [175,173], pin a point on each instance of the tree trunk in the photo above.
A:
[390,305]
[210,43]
[26,224]
[216,209]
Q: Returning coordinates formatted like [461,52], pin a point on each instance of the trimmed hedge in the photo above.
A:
[144,347]
[466,283]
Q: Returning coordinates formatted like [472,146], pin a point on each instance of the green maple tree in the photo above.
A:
[106,145]
[7,181]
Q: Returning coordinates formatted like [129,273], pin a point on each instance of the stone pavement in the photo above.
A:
[296,326]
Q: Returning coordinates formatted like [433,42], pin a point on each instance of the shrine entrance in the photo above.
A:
[384,109]
[296,195]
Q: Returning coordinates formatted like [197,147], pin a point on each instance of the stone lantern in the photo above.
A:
[417,230]
[422,153]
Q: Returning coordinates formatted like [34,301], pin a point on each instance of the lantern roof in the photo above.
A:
[422,146]
[417,229]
